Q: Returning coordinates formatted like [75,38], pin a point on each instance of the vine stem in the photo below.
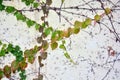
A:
[115,33]
[56,8]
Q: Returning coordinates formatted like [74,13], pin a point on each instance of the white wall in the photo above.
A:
[89,52]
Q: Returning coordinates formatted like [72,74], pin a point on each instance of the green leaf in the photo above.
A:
[2,7]
[10,47]
[62,1]
[4,46]
[14,52]
[67,55]
[23,0]
[77,24]
[30,23]
[1,2]
[63,42]
[35,5]
[36,49]
[54,45]
[10,9]
[19,53]
[0,42]
[31,1]
[17,48]
[48,30]
[88,21]
[37,26]
[23,71]
[84,25]
[97,17]
[2,52]
[19,16]
[62,47]
[54,34]
[19,58]
[43,25]
[22,75]
[1,74]
[31,59]
[27,3]
[76,30]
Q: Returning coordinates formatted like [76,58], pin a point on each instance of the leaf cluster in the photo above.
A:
[18,63]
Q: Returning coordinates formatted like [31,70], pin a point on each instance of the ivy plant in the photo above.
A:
[22,58]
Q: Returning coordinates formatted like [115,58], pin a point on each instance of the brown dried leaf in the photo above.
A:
[44,55]
[39,39]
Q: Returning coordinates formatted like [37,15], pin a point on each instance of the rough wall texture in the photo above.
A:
[89,51]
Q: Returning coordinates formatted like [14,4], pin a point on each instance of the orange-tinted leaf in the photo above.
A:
[14,66]
[27,53]
[7,71]
[23,65]
[70,30]
[66,34]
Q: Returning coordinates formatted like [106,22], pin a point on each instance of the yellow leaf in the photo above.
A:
[77,24]
[107,11]
[97,18]
[88,21]
[54,45]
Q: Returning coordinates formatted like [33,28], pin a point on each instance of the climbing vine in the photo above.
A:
[22,58]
